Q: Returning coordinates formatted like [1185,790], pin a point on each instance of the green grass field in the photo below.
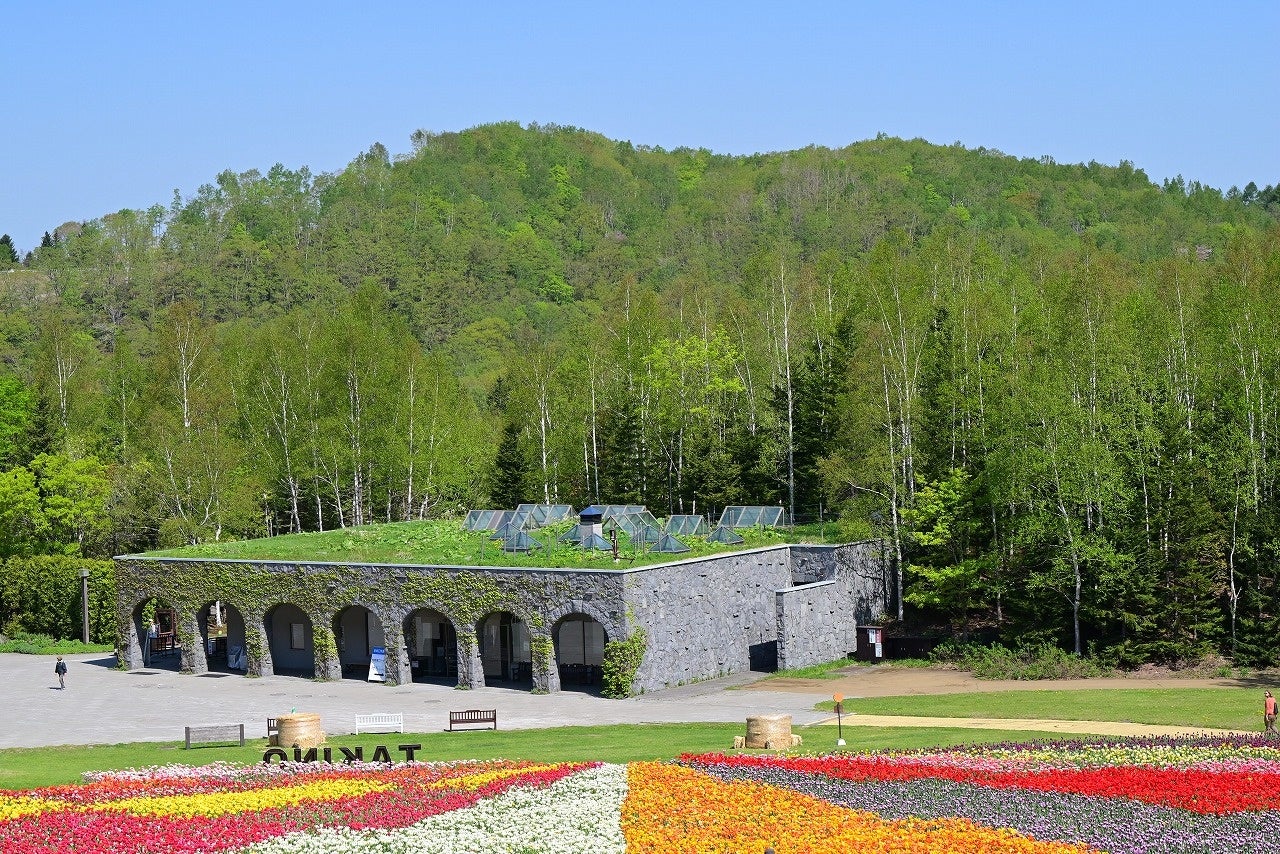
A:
[24,768]
[446,543]
[1214,708]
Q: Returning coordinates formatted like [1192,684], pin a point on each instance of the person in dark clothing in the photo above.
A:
[61,669]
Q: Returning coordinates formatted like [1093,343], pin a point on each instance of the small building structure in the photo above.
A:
[535,628]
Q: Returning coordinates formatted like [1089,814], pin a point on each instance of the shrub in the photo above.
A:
[34,643]
[621,661]
[1035,661]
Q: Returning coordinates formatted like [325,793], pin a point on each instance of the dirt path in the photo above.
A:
[908,681]
[1026,724]
[856,682]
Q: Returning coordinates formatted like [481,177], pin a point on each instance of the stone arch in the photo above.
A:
[223,637]
[152,635]
[504,648]
[613,626]
[356,631]
[291,640]
[579,641]
[431,645]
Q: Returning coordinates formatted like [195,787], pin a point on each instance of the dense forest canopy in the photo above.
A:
[1055,389]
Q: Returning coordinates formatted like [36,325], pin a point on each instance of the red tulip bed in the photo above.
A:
[1135,795]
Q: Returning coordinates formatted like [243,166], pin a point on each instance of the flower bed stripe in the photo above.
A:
[1210,792]
[577,814]
[1118,826]
[672,810]
[408,794]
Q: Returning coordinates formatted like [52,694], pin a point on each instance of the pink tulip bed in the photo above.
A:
[1133,795]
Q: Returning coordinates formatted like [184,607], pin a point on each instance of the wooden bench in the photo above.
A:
[474,716]
[380,722]
[215,734]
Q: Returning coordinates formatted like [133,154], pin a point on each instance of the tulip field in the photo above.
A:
[1131,795]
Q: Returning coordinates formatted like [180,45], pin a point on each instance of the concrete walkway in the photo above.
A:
[102,705]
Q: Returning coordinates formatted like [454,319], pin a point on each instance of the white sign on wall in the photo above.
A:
[378,664]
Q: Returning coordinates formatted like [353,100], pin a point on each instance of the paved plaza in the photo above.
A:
[102,705]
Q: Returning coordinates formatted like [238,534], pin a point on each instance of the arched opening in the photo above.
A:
[289,635]
[432,645]
[156,623]
[504,650]
[579,642]
[222,632]
[356,631]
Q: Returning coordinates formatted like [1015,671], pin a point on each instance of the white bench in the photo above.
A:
[380,722]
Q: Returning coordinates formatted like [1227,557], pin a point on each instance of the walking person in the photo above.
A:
[1269,715]
[61,669]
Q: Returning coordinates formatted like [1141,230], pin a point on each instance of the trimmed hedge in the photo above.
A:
[41,595]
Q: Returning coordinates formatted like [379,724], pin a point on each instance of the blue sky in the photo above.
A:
[114,105]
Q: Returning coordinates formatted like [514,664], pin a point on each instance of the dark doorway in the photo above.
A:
[764,656]
[432,645]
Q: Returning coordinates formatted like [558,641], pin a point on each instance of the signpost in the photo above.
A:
[378,664]
[839,698]
[84,605]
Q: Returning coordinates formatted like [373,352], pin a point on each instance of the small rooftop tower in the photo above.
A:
[591,522]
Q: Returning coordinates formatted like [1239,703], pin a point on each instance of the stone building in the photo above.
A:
[780,606]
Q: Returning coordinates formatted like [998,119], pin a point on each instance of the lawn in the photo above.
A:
[23,768]
[1214,708]
[446,543]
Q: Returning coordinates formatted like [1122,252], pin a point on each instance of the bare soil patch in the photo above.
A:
[890,681]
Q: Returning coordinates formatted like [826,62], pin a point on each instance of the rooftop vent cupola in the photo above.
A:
[591,522]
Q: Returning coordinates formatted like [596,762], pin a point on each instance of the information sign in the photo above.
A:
[378,664]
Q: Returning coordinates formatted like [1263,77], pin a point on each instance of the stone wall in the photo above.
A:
[703,618]
[864,579]
[812,563]
[814,625]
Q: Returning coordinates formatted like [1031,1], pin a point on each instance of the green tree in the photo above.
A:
[511,468]
[8,252]
[946,574]
[74,497]
[23,527]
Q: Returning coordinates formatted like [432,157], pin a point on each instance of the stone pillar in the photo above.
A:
[398,671]
[546,676]
[470,666]
[257,652]
[130,647]
[191,652]
[328,664]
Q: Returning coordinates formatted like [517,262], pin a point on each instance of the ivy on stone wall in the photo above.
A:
[542,648]
[621,661]
[323,591]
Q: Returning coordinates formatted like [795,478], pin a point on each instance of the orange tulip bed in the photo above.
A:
[1126,796]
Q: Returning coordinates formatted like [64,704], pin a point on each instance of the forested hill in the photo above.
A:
[1054,388]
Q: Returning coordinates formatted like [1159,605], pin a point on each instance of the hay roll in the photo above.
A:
[300,729]
[765,731]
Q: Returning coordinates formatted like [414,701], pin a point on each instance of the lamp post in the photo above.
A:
[839,698]
[84,605]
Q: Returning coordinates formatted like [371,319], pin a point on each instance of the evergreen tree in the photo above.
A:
[8,253]
[622,463]
[511,468]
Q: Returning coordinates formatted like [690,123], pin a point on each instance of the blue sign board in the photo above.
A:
[378,664]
